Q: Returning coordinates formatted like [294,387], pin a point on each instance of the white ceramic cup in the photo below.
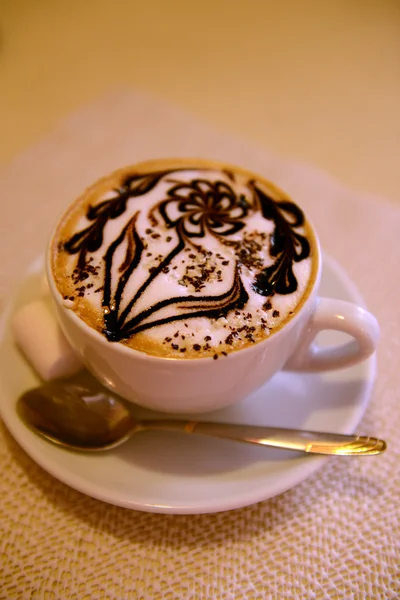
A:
[203,384]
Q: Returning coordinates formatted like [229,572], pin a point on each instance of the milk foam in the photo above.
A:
[212,239]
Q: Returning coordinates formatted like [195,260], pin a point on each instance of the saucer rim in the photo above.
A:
[308,466]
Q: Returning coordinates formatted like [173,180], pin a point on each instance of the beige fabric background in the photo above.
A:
[336,535]
[318,80]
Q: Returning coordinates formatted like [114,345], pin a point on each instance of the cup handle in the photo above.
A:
[336,315]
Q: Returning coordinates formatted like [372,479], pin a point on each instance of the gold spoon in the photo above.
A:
[84,418]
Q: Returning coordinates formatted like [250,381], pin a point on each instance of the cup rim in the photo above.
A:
[310,292]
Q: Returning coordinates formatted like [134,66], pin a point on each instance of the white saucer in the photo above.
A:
[175,473]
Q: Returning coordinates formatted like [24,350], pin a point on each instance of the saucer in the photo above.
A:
[176,473]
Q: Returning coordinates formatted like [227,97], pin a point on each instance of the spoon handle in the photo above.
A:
[277,437]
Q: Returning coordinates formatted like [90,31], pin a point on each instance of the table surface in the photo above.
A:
[317,81]
[293,80]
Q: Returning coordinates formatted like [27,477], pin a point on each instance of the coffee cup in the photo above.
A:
[184,285]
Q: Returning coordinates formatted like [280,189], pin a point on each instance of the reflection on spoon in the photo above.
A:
[88,419]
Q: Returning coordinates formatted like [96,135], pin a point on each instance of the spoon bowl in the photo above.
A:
[84,418]
[76,416]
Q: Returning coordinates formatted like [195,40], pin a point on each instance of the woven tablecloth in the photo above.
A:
[336,535]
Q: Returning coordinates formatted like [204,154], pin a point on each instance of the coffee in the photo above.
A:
[184,259]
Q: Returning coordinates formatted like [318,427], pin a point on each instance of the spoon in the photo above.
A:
[85,418]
